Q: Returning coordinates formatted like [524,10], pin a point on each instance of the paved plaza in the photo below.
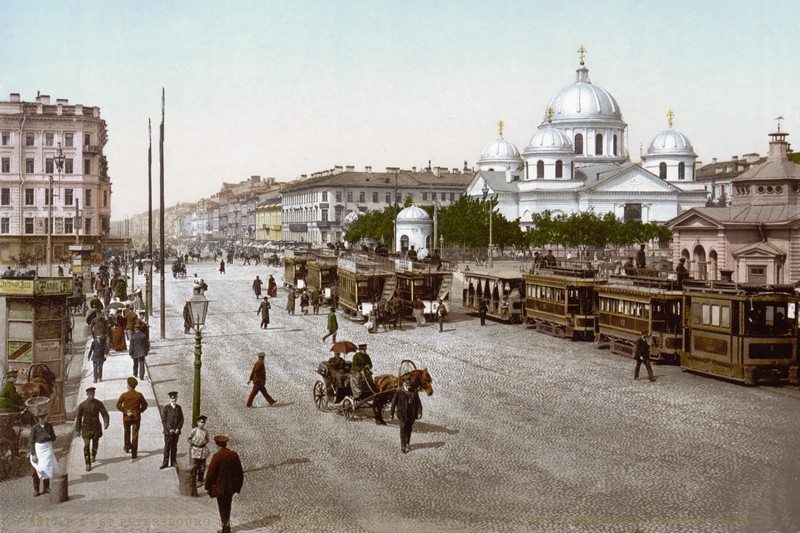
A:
[524,433]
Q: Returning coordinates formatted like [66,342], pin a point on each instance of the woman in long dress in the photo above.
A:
[43,459]
[118,335]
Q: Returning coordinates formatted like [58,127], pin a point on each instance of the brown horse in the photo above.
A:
[420,379]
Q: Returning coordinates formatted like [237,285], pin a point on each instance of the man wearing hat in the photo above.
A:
[641,353]
[225,478]
[681,273]
[138,350]
[264,310]
[441,313]
[361,372]
[198,448]
[132,404]
[87,425]
[9,397]
[172,421]
[408,407]
[258,377]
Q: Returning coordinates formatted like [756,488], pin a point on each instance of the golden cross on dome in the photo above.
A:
[500,127]
[549,114]
[582,51]
[670,114]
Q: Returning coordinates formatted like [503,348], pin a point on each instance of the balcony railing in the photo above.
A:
[91,149]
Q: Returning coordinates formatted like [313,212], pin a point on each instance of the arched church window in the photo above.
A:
[614,145]
[579,143]
[681,171]
[598,144]
[559,169]
[662,171]
[540,169]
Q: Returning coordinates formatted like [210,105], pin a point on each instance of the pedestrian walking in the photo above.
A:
[198,449]
[225,478]
[97,355]
[130,321]
[88,426]
[172,422]
[408,408]
[140,347]
[258,377]
[642,356]
[264,310]
[272,287]
[441,313]
[118,342]
[315,300]
[304,301]
[221,266]
[290,302]
[257,286]
[43,459]
[187,317]
[482,310]
[333,325]
[9,397]
[418,310]
[132,404]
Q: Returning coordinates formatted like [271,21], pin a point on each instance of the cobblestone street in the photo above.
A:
[524,432]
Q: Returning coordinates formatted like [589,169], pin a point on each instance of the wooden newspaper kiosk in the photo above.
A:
[35,314]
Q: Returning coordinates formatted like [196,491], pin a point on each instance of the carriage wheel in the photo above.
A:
[348,409]
[320,396]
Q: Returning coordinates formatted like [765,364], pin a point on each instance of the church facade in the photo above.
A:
[577,161]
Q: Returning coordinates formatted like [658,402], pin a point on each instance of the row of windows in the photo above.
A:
[64,226]
[49,166]
[311,197]
[625,307]
[598,144]
[550,294]
[540,169]
[69,196]
[662,171]
[49,138]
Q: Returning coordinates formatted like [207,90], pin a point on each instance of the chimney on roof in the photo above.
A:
[62,101]
[303,176]
[46,99]
[713,160]
[350,168]
[368,169]
[14,98]
[337,169]
[436,171]
[413,169]
[255,179]
[455,170]
[270,181]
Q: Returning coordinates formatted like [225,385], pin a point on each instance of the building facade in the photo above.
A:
[35,139]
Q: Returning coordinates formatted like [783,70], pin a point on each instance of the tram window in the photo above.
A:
[647,310]
[726,317]
[791,311]
[696,313]
[715,315]
[706,314]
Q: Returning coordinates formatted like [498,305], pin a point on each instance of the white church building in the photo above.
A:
[577,161]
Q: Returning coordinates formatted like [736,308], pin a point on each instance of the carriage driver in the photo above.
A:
[361,373]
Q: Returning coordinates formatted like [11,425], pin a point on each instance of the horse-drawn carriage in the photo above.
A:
[178,269]
[333,392]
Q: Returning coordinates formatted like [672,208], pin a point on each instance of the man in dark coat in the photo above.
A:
[97,355]
[681,272]
[482,309]
[272,287]
[264,310]
[641,352]
[172,422]
[224,478]
[132,404]
[641,257]
[408,407]
[87,425]
[257,286]
[258,377]
[187,318]
[138,350]
[333,325]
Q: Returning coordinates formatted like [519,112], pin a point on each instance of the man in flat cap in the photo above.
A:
[641,353]
[87,425]
[132,404]
[172,421]
[408,407]
[258,377]
[225,478]
[9,397]
[198,448]
[264,310]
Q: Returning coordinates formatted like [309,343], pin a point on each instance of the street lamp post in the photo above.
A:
[198,306]
[58,159]
[148,281]
[485,192]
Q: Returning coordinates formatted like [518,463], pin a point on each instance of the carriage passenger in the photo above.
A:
[336,368]
[361,373]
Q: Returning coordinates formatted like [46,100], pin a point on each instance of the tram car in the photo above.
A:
[629,305]
[562,301]
[743,332]
[295,270]
[503,294]
[415,279]
[363,280]
[321,275]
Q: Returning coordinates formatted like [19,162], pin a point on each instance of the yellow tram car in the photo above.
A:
[562,301]
[742,332]
[294,268]
[321,275]
[415,279]
[503,294]
[361,282]
[628,305]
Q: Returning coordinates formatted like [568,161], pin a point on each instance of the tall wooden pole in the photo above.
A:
[149,272]
[161,217]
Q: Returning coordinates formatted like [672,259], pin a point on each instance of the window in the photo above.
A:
[4,225]
[452,197]
[662,171]
[29,165]
[633,212]
[87,139]
[540,169]
[424,197]
[87,226]
[68,166]
[375,197]
[433,196]
[105,198]
[5,138]
[399,198]
[29,139]
[68,194]
[28,196]
[559,169]
[87,166]
[48,165]
[324,196]
[47,197]
[6,165]
[69,139]
[579,144]
[598,144]
[614,145]
[87,198]
[323,215]
[338,196]
[349,196]
[5,196]
[681,171]
[48,139]
[28,225]
[388,197]
[68,225]
[362,197]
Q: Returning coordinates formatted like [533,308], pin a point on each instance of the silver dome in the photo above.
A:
[413,213]
[582,100]
[670,141]
[500,150]
[549,139]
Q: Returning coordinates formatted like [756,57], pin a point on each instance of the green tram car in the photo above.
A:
[321,275]
[362,280]
[746,333]
[629,305]
[562,301]
[294,269]
[503,295]
[414,279]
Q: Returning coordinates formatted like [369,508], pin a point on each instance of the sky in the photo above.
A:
[279,89]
